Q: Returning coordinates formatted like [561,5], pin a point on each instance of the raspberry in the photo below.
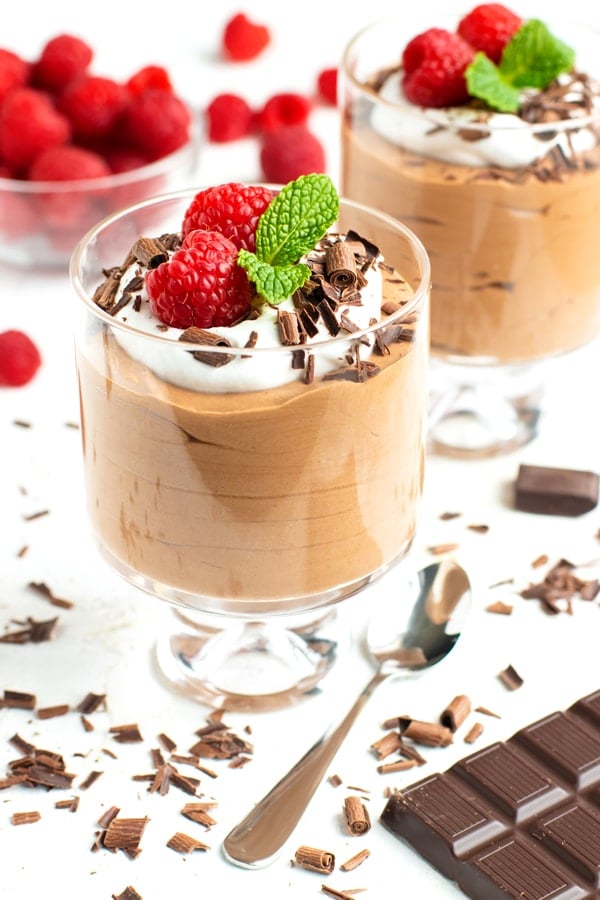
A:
[29,124]
[62,60]
[14,72]
[68,163]
[434,64]
[290,152]
[232,209]
[327,86]
[156,122]
[281,110]
[93,104]
[67,209]
[244,40]
[201,284]
[149,77]
[489,27]
[19,358]
[229,117]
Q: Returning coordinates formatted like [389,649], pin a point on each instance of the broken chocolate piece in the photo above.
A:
[555,491]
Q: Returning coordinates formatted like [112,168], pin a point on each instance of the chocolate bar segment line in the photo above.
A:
[520,818]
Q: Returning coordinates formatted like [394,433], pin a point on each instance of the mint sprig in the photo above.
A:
[297,217]
[533,58]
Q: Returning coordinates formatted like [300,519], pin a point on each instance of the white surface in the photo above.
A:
[104,643]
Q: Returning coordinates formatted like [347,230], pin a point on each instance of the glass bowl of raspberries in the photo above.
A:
[76,146]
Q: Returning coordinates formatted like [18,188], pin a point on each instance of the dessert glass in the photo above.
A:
[512,243]
[252,512]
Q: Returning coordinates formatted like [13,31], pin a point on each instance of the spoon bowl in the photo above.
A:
[441,598]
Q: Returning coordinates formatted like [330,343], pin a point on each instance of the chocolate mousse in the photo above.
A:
[512,240]
[241,498]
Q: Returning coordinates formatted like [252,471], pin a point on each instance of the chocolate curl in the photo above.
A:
[314,859]
[357,816]
[340,266]
[428,733]
[474,732]
[456,712]
[195,335]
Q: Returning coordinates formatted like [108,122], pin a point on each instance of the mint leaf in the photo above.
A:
[485,82]
[296,219]
[534,57]
[293,222]
[273,282]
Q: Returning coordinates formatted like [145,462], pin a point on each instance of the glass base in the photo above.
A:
[483,411]
[248,665]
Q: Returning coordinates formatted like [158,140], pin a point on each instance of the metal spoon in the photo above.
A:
[440,596]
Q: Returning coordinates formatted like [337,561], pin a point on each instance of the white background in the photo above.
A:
[105,642]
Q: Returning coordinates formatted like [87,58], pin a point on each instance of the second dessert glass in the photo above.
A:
[252,507]
[508,209]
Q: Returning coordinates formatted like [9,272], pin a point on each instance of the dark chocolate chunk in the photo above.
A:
[520,818]
[555,491]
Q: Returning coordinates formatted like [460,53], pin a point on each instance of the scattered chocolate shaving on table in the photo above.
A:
[25,818]
[502,583]
[448,516]
[479,529]
[400,765]
[499,607]
[560,583]
[389,743]
[107,817]
[510,678]
[36,515]
[87,725]
[24,549]
[314,859]
[475,731]
[539,561]
[335,781]
[168,744]
[90,779]
[128,894]
[91,703]
[487,712]
[33,631]
[19,699]
[51,712]
[333,892]
[456,712]
[43,590]
[408,751]
[198,812]
[42,768]
[441,549]
[124,834]
[21,423]
[431,734]
[185,843]
[356,815]
[355,861]
[72,805]
[126,734]
[221,744]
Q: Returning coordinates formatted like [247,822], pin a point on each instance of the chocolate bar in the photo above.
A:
[519,818]
[555,492]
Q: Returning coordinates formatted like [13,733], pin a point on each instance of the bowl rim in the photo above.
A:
[191,149]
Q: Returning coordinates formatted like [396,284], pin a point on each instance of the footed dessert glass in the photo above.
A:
[241,485]
[508,208]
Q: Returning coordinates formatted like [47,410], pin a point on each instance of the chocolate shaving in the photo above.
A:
[25,818]
[357,816]
[34,632]
[124,834]
[222,744]
[340,265]
[499,607]
[126,734]
[51,712]
[473,733]
[197,812]
[185,843]
[288,325]
[202,336]
[150,252]
[510,678]
[456,712]
[314,859]
[89,780]
[45,592]
[128,894]
[91,703]
[19,700]
[355,861]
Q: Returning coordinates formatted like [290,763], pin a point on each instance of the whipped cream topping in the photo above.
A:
[268,366]
[507,140]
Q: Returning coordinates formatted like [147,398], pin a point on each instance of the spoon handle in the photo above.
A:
[260,835]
